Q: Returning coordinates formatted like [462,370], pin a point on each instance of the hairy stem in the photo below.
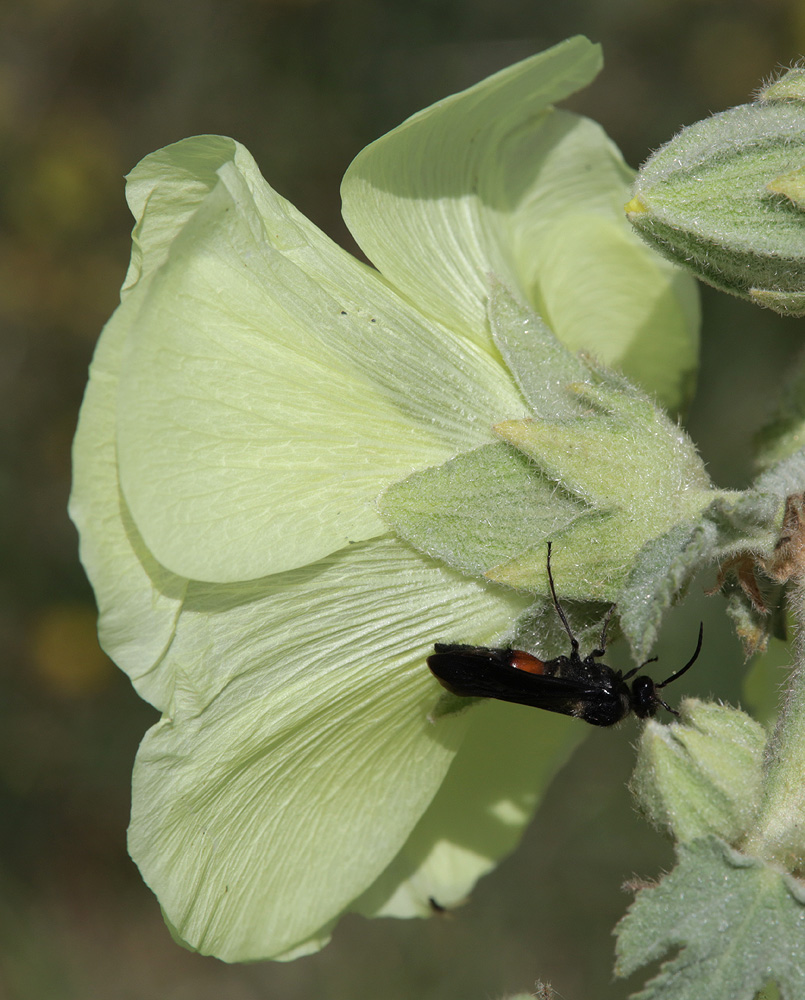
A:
[780,833]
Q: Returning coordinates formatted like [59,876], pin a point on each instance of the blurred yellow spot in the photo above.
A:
[65,651]
[634,206]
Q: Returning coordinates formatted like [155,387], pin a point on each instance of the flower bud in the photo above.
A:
[726,198]
[703,775]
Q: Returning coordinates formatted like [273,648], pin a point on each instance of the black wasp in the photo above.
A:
[584,688]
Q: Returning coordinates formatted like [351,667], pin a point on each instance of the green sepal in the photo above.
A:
[630,463]
[702,775]
[602,470]
[480,509]
[790,87]
[542,367]
[660,570]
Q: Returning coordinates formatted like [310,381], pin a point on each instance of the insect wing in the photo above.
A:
[469,671]
[472,672]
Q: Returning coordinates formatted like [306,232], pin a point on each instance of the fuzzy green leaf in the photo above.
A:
[732,922]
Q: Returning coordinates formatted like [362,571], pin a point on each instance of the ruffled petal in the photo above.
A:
[425,201]
[495,181]
[138,600]
[477,817]
[288,776]
[272,387]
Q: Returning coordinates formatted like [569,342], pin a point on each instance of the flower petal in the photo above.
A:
[138,600]
[646,327]
[480,812]
[165,189]
[290,776]
[493,180]
[273,386]
[425,201]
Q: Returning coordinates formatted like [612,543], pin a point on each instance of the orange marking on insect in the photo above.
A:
[526,662]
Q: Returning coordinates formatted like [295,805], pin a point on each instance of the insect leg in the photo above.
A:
[602,648]
[634,670]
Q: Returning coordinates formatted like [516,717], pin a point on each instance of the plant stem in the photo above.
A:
[780,832]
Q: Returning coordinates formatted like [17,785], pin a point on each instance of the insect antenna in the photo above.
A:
[574,642]
[687,666]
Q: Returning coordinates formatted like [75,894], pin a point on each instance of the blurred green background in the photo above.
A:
[88,87]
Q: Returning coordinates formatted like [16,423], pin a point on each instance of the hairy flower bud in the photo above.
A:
[726,198]
[701,776]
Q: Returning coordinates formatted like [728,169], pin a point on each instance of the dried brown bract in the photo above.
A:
[787,562]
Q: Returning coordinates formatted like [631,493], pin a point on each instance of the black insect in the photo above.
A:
[584,688]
